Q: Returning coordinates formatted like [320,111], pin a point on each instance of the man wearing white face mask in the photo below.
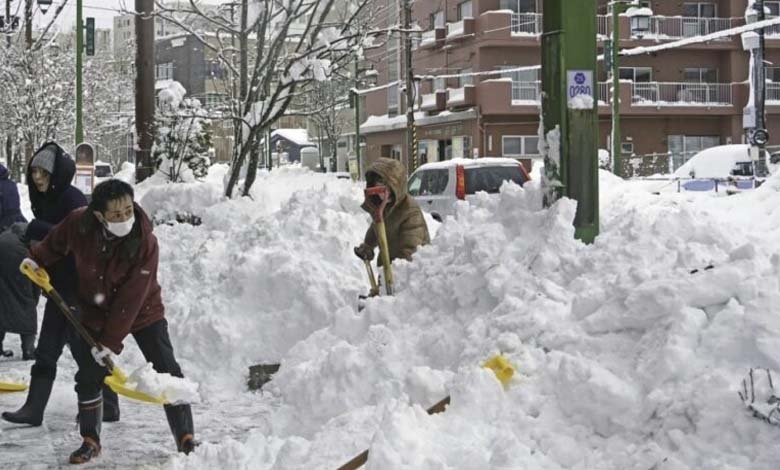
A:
[116,257]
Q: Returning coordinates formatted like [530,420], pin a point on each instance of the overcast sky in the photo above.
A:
[102,10]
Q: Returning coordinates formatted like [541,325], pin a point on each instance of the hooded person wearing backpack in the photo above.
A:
[52,197]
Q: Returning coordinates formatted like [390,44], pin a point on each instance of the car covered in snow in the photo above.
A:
[722,163]
[103,171]
[438,186]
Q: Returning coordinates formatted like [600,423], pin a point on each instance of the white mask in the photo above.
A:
[121,229]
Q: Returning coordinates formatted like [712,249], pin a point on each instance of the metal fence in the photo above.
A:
[526,91]
[682,94]
[773,92]
[526,23]
[676,27]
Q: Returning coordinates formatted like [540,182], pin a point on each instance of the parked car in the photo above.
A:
[437,186]
[103,171]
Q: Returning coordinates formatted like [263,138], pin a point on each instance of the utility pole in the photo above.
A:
[28,8]
[617,151]
[79,73]
[9,146]
[755,125]
[356,98]
[8,23]
[569,113]
[144,87]
[411,150]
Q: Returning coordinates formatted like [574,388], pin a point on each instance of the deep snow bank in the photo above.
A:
[259,274]
[626,360]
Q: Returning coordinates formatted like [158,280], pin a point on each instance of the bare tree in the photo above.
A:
[327,102]
[292,44]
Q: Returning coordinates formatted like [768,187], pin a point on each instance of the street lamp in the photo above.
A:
[640,25]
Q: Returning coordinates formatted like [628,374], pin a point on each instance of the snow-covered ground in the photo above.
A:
[624,359]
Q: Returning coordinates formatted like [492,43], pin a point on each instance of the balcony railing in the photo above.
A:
[527,23]
[455,29]
[773,93]
[526,92]
[676,27]
[428,37]
[772,30]
[681,94]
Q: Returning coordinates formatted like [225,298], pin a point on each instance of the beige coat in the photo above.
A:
[404,221]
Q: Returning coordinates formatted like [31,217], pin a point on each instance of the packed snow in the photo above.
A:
[628,353]
[173,389]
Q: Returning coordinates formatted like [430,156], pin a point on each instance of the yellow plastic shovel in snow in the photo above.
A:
[8,387]
[117,379]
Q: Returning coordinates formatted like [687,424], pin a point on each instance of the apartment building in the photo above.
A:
[672,103]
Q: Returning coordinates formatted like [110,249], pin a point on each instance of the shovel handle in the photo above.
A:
[371,278]
[384,252]
[41,278]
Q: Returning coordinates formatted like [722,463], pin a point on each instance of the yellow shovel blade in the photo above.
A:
[6,387]
[118,380]
[501,367]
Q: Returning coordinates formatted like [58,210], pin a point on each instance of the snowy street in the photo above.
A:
[624,359]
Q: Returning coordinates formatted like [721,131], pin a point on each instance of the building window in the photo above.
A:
[392,100]
[439,84]
[465,79]
[636,74]
[163,71]
[627,148]
[395,153]
[700,75]
[465,10]
[773,74]
[519,6]
[519,145]
[683,147]
[700,9]
[437,20]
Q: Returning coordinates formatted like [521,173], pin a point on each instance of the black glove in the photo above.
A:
[364,252]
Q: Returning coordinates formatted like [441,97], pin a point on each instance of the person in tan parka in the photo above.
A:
[404,221]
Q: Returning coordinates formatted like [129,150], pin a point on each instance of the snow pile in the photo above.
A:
[175,390]
[628,352]
[258,275]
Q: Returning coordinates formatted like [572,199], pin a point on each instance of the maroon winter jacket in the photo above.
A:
[117,292]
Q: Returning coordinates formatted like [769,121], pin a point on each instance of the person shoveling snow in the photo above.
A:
[116,265]
[396,214]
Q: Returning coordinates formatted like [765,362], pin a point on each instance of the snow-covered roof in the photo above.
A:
[299,137]
[634,11]
[470,162]
[714,162]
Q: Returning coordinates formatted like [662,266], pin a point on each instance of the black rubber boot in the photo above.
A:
[28,347]
[4,352]
[32,411]
[90,417]
[182,427]
[110,405]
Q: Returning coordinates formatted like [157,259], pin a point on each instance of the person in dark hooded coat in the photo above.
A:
[14,314]
[18,295]
[10,212]
[49,176]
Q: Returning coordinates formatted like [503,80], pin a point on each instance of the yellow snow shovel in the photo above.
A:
[8,387]
[117,380]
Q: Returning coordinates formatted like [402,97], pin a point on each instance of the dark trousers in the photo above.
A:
[154,343]
[55,332]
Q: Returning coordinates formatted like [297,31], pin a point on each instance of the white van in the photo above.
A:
[437,186]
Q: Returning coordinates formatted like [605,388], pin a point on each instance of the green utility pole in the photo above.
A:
[79,86]
[617,157]
[569,110]
[356,98]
